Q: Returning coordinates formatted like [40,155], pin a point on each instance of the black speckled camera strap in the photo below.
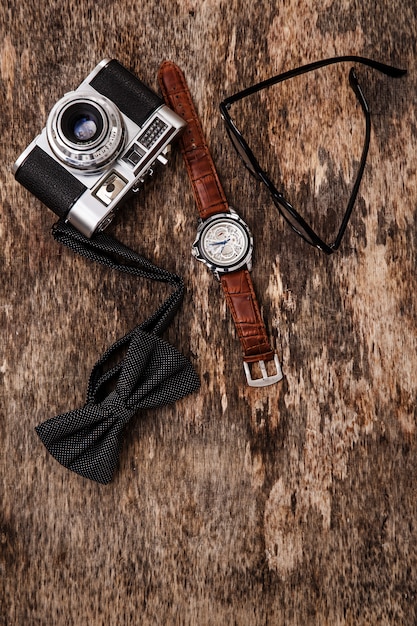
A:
[149,373]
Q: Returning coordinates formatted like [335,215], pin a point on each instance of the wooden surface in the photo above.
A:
[292,505]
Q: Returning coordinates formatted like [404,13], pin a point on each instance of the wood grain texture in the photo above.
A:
[293,505]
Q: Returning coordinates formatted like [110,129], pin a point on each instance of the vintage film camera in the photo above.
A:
[100,142]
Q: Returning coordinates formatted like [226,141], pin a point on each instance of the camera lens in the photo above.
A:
[86,131]
[85,128]
[82,123]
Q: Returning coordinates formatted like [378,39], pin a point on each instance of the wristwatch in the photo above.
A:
[224,242]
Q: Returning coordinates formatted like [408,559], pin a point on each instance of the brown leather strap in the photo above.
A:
[207,189]
[242,302]
[210,199]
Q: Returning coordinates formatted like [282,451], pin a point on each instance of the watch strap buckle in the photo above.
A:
[266,379]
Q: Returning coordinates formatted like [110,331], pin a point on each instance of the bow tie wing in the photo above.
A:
[87,440]
[155,373]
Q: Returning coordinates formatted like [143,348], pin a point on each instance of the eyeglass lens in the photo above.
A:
[282,205]
[242,151]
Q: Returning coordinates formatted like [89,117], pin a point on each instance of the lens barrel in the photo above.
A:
[82,123]
[85,131]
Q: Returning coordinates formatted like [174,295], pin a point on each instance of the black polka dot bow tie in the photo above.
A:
[87,440]
[140,371]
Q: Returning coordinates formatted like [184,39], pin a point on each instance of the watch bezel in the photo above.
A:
[198,252]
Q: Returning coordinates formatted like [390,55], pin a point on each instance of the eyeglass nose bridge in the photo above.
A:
[298,224]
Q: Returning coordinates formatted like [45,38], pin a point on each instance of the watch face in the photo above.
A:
[224,242]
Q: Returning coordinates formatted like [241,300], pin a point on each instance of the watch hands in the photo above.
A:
[220,243]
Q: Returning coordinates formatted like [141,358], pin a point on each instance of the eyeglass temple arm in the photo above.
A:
[389,70]
[353,80]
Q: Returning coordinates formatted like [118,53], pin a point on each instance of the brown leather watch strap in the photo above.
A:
[244,307]
[208,192]
[210,199]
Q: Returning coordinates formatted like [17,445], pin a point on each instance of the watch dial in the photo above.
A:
[224,243]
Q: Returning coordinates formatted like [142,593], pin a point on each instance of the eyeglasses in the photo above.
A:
[294,219]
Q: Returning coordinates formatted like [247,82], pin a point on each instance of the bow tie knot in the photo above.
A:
[116,406]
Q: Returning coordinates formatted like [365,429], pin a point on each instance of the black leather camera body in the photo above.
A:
[99,144]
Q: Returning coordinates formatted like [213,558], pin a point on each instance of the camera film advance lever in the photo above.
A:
[224,242]
[99,144]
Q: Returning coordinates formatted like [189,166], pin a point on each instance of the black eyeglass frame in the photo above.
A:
[294,219]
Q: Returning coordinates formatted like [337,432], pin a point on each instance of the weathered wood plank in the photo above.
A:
[289,505]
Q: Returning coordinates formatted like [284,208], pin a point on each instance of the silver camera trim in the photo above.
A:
[90,157]
[89,214]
